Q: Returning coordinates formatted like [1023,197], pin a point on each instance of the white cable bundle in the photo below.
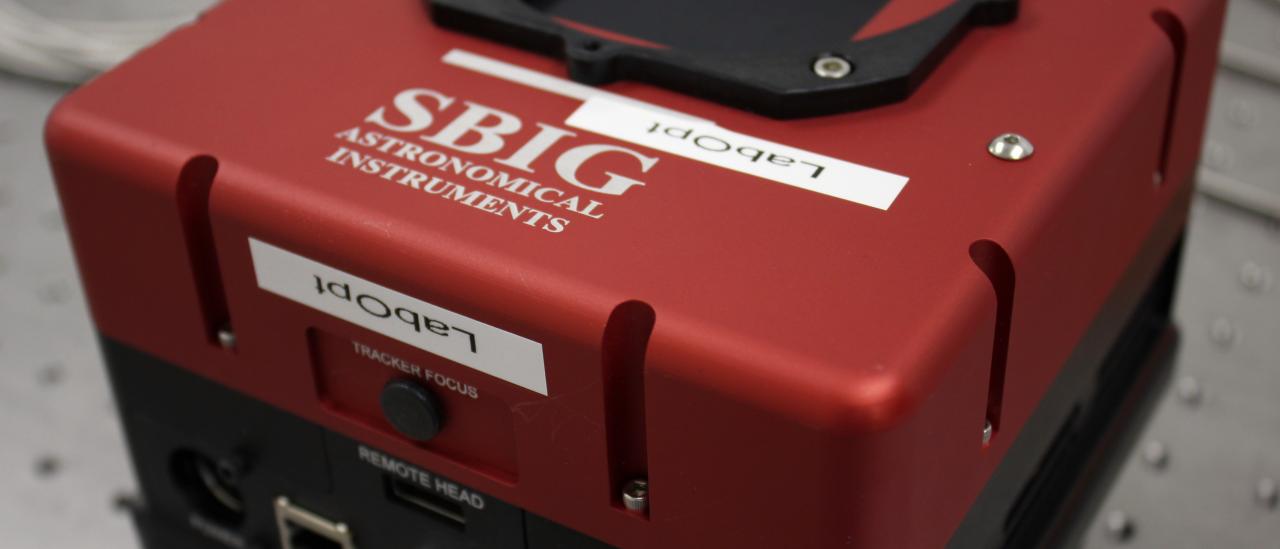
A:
[70,50]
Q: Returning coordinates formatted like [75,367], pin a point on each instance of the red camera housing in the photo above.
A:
[784,367]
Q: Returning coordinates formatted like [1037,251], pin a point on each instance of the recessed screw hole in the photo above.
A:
[47,466]
[50,374]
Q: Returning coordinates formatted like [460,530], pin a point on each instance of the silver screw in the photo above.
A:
[1255,277]
[635,496]
[1268,494]
[1011,147]
[1222,332]
[1119,526]
[1189,391]
[227,338]
[832,67]
[1156,455]
[987,431]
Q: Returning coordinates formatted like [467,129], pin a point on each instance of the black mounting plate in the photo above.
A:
[757,55]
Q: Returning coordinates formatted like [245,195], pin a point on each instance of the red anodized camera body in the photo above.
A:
[363,196]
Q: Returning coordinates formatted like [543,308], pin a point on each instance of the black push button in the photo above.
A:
[412,409]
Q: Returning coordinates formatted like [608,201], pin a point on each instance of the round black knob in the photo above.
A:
[412,409]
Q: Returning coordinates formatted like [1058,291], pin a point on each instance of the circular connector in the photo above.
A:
[208,492]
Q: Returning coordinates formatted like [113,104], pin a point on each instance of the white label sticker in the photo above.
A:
[439,331]
[685,135]
[712,144]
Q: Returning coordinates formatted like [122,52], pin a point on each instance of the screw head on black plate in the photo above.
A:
[832,67]
[412,409]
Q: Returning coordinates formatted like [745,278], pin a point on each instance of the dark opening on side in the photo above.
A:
[995,263]
[195,184]
[626,339]
[1172,26]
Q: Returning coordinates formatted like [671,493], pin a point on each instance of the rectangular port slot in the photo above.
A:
[415,497]
[302,529]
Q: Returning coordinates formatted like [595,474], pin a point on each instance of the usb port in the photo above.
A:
[415,497]
[302,529]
